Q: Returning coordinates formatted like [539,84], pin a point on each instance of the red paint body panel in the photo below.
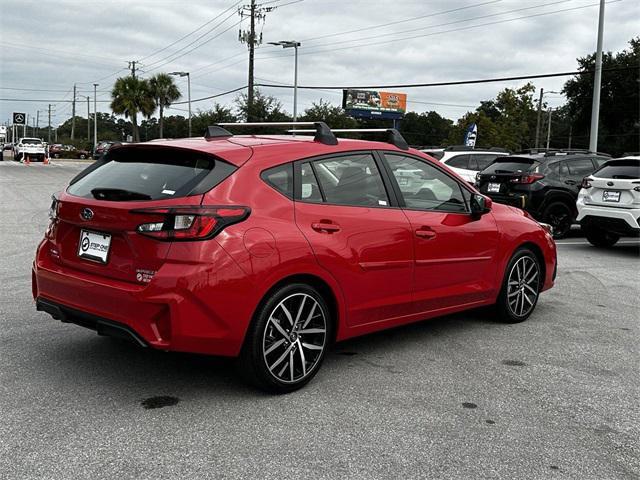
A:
[383,266]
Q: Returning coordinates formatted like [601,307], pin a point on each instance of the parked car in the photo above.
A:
[467,161]
[67,151]
[271,248]
[544,184]
[102,148]
[29,147]
[609,202]
[435,152]
[7,146]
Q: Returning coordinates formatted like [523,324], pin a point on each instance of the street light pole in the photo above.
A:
[597,83]
[186,74]
[292,44]
[95,116]
[549,129]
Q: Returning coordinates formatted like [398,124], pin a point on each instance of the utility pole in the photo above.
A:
[537,144]
[88,120]
[95,114]
[570,134]
[38,121]
[73,113]
[132,67]
[49,127]
[597,83]
[254,12]
[549,129]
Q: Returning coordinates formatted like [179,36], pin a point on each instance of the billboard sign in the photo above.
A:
[374,104]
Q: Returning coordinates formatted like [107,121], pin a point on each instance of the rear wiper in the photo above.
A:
[118,195]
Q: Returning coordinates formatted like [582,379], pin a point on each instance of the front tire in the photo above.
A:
[520,287]
[287,341]
[599,237]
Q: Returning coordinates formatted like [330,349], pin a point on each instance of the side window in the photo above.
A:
[563,170]
[459,161]
[309,192]
[484,161]
[280,178]
[351,180]
[580,167]
[425,187]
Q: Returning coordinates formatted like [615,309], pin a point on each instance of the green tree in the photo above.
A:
[330,114]
[164,92]
[217,114]
[427,128]
[509,121]
[131,96]
[265,108]
[619,127]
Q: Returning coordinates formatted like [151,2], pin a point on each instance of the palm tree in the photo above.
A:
[164,92]
[130,96]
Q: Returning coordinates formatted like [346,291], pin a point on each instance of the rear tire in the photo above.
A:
[560,216]
[287,340]
[520,287]
[599,237]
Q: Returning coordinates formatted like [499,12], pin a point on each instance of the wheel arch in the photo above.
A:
[559,196]
[537,251]
[324,288]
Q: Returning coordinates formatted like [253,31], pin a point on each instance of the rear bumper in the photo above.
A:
[187,307]
[603,216]
[102,326]
[610,224]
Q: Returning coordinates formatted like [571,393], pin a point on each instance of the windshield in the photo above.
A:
[31,141]
[150,174]
[511,165]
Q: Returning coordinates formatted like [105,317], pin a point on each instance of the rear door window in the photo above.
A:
[459,161]
[348,180]
[580,167]
[150,174]
[483,161]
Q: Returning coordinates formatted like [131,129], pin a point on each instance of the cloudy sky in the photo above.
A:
[47,46]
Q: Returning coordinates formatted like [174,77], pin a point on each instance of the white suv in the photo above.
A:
[467,162]
[609,202]
[29,147]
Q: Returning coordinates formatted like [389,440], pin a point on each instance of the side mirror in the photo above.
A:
[480,205]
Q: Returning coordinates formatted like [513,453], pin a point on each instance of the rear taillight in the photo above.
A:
[527,179]
[53,209]
[189,222]
[586,182]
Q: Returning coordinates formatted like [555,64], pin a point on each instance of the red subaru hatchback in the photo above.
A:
[271,247]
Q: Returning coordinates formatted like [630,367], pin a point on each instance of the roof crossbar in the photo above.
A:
[323,133]
[394,137]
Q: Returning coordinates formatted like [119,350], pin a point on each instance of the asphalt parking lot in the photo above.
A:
[457,397]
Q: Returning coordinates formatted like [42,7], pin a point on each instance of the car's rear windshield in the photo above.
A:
[31,141]
[150,173]
[620,169]
[511,165]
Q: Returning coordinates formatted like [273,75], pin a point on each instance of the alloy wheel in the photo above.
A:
[522,289]
[294,338]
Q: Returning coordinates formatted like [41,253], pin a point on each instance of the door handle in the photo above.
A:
[426,233]
[325,227]
[570,182]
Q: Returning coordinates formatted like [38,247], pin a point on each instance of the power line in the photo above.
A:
[190,33]
[412,19]
[458,82]
[443,24]
[210,96]
[174,56]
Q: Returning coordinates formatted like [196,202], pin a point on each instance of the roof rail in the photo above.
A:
[394,137]
[458,148]
[323,133]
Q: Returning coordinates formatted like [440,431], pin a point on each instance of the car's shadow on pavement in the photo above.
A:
[120,367]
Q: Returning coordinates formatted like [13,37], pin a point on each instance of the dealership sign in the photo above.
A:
[19,118]
[374,104]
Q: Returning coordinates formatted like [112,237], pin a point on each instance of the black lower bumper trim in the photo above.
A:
[101,325]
